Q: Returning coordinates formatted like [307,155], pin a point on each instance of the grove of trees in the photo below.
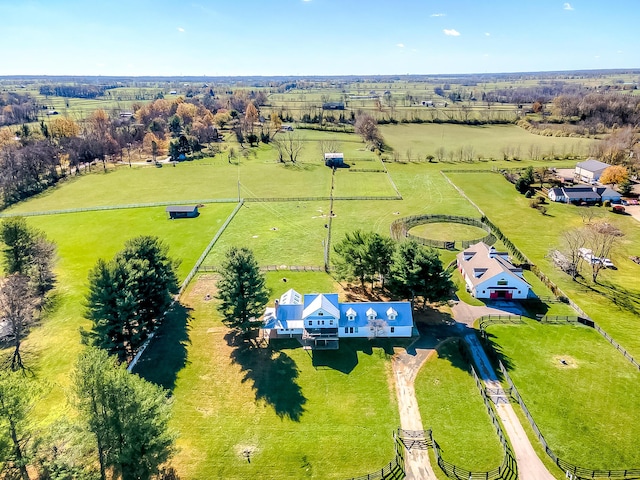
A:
[129,295]
[411,269]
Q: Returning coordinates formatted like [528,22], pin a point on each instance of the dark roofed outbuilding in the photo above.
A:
[182,211]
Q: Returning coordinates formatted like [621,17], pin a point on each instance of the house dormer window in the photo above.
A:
[371,314]
[392,314]
[351,315]
[320,314]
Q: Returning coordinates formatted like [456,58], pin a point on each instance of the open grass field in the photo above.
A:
[488,141]
[82,238]
[613,303]
[592,400]
[326,415]
[447,231]
[362,184]
[451,405]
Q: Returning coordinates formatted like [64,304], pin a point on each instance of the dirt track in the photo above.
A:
[406,365]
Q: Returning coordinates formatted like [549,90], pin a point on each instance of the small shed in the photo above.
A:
[182,211]
[334,160]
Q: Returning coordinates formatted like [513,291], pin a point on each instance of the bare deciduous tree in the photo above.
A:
[573,241]
[601,238]
[376,328]
[17,308]
[328,146]
[289,146]
[367,127]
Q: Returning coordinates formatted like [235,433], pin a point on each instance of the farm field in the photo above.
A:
[572,402]
[292,410]
[487,141]
[217,414]
[452,407]
[616,307]
[82,238]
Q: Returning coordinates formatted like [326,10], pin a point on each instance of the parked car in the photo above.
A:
[617,209]
[607,263]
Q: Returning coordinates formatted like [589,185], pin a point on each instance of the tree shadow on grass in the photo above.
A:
[345,359]
[622,297]
[167,353]
[496,354]
[273,374]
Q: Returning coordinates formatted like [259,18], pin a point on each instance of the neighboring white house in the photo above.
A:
[590,170]
[489,273]
[318,321]
[583,194]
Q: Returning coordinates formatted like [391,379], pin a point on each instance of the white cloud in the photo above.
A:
[438,14]
[596,56]
[180,29]
[451,32]
[567,6]
[401,45]
[487,34]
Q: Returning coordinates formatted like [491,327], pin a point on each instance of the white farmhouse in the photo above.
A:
[319,321]
[490,274]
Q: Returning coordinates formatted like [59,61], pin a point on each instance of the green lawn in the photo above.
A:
[617,307]
[592,400]
[448,231]
[301,415]
[82,238]
[451,405]
[279,233]
[488,141]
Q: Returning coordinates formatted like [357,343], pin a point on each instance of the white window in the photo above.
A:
[310,322]
[330,322]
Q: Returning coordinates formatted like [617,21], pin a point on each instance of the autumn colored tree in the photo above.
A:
[251,116]
[614,175]
[63,127]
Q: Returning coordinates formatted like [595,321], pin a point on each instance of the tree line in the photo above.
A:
[122,426]
[16,109]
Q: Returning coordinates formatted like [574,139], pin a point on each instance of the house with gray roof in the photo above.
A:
[490,274]
[584,194]
[319,321]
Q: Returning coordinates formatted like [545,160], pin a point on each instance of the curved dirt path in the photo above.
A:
[405,366]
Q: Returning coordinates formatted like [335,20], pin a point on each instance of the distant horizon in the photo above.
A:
[633,70]
[302,38]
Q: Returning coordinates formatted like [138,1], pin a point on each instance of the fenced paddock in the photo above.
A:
[400,230]
[572,470]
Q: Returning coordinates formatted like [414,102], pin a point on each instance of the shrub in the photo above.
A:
[528,194]
[607,203]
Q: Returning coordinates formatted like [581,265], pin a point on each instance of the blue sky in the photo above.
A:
[315,37]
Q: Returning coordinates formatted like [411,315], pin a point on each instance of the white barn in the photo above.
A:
[590,170]
[490,274]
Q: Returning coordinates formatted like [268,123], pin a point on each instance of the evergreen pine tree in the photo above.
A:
[241,290]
